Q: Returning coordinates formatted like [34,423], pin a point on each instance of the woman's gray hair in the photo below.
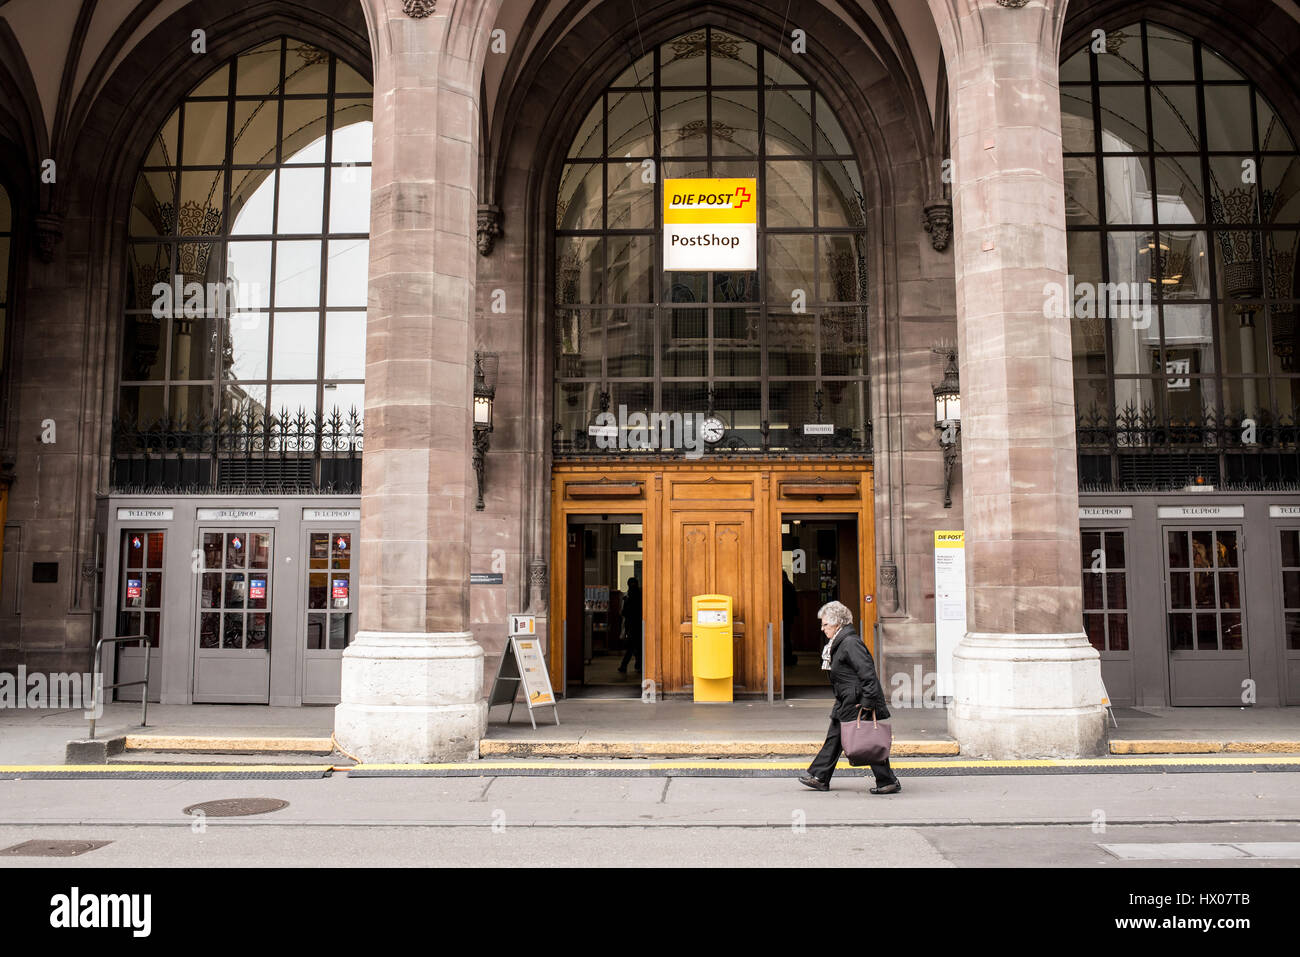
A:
[835,613]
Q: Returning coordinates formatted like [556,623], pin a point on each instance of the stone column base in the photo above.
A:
[411,698]
[1027,696]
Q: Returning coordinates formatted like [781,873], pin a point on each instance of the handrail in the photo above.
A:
[100,688]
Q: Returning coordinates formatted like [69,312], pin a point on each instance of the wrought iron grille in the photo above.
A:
[1141,450]
[244,453]
[569,444]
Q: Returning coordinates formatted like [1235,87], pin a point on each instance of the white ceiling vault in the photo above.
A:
[61,50]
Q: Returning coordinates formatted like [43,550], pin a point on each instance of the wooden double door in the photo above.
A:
[712,529]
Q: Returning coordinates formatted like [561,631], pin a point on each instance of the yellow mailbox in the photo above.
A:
[711,654]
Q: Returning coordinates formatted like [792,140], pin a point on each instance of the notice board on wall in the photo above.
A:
[949,604]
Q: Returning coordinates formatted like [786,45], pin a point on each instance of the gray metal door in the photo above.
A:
[1206,623]
[232,657]
[330,603]
[1290,632]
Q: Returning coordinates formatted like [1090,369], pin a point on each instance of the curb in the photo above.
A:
[260,745]
[498,748]
[1204,747]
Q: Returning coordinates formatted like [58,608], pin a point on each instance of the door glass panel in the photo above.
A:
[1226,552]
[316,625]
[1095,626]
[258,630]
[235,591]
[1211,587]
[1204,590]
[1229,592]
[260,553]
[1180,590]
[232,635]
[1230,626]
[1291,587]
[1118,625]
[1203,549]
[236,585]
[209,628]
[139,609]
[236,550]
[1105,588]
[1178,554]
[1207,638]
[1180,632]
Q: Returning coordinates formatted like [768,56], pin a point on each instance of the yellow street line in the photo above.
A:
[159,768]
[642,765]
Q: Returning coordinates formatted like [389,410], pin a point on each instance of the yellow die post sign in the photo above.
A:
[710,224]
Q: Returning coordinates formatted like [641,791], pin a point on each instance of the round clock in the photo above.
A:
[713,429]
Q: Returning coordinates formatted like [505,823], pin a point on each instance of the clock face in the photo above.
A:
[713,429]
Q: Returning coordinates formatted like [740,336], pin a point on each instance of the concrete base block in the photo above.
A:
[93,751]
[411,698]
[1027,696]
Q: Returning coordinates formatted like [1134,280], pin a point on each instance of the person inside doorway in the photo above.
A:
[632,626]
[856,687]
[790,617]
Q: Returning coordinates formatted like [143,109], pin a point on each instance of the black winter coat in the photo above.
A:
[853,678]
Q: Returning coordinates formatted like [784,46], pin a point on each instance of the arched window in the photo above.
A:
[247,257]
[1181,181]
[766,352]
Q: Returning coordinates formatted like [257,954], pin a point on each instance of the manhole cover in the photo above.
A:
[52,848]
[236,807]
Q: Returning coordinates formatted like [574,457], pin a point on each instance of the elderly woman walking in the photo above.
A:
[853,679]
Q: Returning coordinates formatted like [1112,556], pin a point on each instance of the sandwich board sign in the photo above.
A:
[523,665]
[710,224]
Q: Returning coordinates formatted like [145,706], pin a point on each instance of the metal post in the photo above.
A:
[769,663]
[97,683]
[144,694]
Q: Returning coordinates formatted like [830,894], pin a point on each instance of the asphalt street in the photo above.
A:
[1083,820]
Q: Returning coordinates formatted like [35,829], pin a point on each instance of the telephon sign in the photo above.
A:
[710,224]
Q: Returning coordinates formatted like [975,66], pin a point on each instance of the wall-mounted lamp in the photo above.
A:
[485,390]
[947,422]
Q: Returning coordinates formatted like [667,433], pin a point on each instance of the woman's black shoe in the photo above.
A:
[816,784]
[888,789]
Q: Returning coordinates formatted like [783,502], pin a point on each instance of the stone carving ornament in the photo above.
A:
[1013,4]
[938,223]
[419,9]
[489,228]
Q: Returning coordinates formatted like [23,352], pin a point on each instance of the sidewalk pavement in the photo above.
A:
[618,728]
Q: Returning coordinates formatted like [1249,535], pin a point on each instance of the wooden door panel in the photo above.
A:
[713,555]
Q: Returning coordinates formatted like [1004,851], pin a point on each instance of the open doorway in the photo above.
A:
[819,563]
[604,610]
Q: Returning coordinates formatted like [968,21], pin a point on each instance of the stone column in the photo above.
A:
[1027,682]
[413,676]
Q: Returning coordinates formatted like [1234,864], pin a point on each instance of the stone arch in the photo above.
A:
[1263,46]
[534,120]
[110,145]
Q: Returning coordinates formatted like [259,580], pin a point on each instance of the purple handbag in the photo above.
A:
[866,742]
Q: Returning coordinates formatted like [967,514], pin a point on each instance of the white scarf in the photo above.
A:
[826,652]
